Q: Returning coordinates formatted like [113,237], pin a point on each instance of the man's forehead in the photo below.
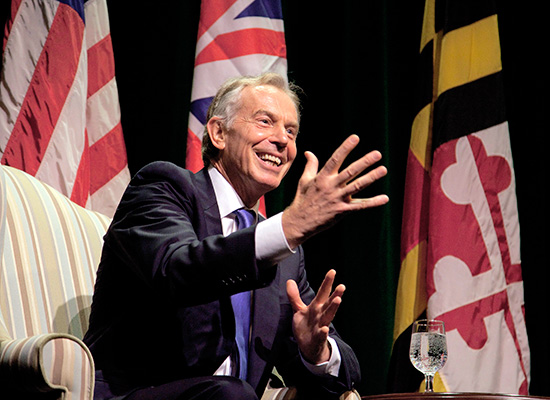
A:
[262,90]
[258,97]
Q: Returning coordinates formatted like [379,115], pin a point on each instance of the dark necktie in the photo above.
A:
[241,304]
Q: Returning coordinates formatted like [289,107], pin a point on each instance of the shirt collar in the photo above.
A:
[226,196]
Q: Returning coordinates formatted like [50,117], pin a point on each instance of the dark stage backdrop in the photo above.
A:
[355,61]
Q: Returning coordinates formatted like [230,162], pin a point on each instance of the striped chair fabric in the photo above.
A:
[49,252]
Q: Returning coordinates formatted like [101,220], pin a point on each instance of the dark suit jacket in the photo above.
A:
[161,309]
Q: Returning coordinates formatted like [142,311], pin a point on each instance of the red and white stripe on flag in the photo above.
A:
[236,37]
[59,109]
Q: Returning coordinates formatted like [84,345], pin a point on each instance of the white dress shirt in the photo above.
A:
[271,245]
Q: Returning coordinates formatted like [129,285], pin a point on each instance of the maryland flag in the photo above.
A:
[460,234]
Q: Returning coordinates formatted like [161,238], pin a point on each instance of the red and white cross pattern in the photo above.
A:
[474,270]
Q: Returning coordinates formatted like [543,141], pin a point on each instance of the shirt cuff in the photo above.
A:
[271,244]
[330,367]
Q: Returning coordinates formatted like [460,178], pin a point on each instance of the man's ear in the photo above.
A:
[217,132]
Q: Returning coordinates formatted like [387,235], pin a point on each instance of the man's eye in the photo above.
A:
[291,132]
[264,121]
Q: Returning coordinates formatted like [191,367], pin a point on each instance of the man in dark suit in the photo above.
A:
[165,322]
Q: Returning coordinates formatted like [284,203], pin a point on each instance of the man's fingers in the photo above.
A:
[349,179]
[338,292]
[357,167]
[331,305]
[330,311]
[326,287]
[361,204]
[337,159]
[364,181]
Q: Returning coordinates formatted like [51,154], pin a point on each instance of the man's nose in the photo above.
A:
[280,135]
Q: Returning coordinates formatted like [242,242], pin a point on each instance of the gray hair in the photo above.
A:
[226,103]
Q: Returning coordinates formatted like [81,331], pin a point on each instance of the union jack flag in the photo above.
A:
[59,110]
[236,37]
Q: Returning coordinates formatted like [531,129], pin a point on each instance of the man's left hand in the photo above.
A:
[311,322]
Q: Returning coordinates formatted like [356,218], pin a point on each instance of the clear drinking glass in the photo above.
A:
[428,351]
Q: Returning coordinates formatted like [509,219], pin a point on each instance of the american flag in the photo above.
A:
[236,37]
[460,239]
[59,110]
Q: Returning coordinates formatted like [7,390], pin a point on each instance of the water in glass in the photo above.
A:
[428,350]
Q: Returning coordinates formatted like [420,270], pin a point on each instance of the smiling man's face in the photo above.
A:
[257,150]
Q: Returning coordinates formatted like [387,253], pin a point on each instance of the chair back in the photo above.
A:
[49,252]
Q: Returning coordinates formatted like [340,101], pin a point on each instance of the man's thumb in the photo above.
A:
[294,295]
[312,166]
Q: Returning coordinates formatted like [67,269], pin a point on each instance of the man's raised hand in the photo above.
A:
[324,196]
[310,323]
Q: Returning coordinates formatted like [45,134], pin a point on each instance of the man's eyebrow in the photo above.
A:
[273,117]
[264,112]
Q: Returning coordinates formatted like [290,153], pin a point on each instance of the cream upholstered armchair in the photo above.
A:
[49,253]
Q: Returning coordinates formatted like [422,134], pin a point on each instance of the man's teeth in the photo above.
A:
[270,158]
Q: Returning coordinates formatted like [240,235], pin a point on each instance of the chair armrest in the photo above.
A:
[285,393]
[351,395]
[290,393]
[46,363]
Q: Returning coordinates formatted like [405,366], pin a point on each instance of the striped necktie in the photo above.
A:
[241,303]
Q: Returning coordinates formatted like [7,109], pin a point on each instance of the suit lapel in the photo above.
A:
[207,196]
